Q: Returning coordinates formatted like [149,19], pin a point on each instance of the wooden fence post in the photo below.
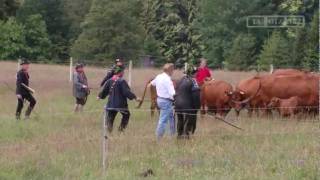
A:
[71,70]
[130,73]
[104,144]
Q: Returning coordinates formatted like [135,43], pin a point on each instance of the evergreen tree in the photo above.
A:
[242,53]
[110,30]
[8,8]
[276,51]
[173,23]
[311,60]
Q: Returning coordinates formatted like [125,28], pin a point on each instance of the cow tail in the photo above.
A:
[144,93]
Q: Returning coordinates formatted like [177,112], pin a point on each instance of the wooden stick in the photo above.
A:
[104,144]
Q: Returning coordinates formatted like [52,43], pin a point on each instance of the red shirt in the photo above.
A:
[202,74]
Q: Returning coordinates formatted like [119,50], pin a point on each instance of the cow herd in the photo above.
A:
[288,91]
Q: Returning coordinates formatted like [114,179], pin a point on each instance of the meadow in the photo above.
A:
[58,144]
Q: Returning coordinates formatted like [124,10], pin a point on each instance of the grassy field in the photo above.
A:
[57,144]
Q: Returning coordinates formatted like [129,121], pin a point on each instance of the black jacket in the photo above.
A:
[22,77]
[109,75]
[187,94]
[118,92]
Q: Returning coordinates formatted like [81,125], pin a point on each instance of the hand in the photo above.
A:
[19,96]
[84,86]
[98,98]
[138,99]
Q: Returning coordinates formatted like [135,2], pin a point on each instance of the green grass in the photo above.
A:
[57,144]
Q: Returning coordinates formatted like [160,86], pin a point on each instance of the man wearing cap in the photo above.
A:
[165,92]
[22,91]
[118,91]
[80,87]
[110,73]
[187,103]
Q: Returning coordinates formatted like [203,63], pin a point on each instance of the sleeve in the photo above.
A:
[19,82]
[171,89]
[154,82]
[76,82]
[125,89]
[195,90]
[105,90]
[109,75]
[208,72]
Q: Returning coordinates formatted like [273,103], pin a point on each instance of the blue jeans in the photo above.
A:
[166,113]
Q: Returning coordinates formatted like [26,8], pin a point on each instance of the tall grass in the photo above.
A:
[57,144]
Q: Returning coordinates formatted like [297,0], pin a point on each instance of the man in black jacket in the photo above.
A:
[187,103]
[118,91]
[111,72]
[22,92]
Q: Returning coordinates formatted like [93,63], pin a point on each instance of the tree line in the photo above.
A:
[177,31]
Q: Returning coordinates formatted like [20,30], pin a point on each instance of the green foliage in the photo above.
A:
[276,51]
[12,39]
[172,23]
[311,60]
[8,8]
[37,40]
[110,30]
[242,53]
[56,21]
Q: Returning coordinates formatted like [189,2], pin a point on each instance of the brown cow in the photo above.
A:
[216,96]
[286,107]
[285,86]
[290,72]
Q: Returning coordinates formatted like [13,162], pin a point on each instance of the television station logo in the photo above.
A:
[275,21]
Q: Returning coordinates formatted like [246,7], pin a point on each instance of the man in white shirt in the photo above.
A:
[165,93]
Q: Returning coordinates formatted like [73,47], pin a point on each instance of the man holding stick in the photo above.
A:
[23,91]
[80,87]
[118,91]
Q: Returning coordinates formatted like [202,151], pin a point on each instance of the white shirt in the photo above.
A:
[164,86]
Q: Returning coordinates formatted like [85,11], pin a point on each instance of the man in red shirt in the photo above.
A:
[203,72]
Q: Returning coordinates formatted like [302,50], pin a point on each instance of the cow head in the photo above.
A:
[236,98]
[275,102]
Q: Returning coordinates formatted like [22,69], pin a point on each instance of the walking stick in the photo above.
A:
[223,120]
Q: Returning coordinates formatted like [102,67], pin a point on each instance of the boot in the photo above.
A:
[18,116]
[28,112]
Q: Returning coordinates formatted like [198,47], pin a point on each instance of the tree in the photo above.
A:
[12,39]
[276,51]
[242,53]
[37,40]
[56,22]
[8,8]
[311,60]
[172,23]
[110,30]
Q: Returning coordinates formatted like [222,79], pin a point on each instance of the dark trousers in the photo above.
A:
[111,115]
[187,122]
[32,102]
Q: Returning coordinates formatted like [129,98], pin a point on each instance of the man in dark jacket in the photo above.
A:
[22,91]
[118,91]
[187,103]
[111,72]
[80,87]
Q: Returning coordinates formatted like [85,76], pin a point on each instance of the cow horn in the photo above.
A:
[251,97]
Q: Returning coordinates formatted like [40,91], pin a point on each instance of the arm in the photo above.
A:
[126,91]
[77,82]
[107,77]
[195,91]
[171,89]
[19,83]
[105,91]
